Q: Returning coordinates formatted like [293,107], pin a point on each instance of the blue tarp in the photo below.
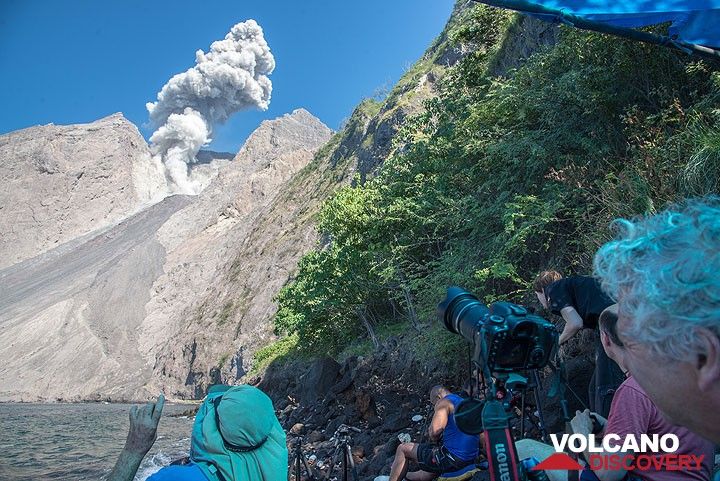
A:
[694,21]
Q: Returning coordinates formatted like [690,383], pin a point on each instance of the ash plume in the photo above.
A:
[231,77]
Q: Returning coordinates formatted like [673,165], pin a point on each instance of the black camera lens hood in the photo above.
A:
[468,416]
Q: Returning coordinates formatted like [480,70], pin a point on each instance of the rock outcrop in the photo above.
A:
[179,295]
[231,252]
[62,182]
[113,314]
[384,393]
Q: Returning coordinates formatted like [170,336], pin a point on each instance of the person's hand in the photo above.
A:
[581,423]
[143,426]
[601,420]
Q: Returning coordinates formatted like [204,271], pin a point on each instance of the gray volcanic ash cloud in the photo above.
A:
[232,76]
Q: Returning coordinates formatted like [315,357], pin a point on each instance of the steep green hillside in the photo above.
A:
[502,176]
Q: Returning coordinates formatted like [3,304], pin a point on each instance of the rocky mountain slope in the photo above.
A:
[61,182]
[180,295]
[87,319]
[229,258]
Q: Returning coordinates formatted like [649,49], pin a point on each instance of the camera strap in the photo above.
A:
[499,444]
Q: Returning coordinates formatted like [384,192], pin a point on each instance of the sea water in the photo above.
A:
[81,441]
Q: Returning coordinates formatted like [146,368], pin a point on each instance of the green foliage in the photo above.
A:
[362,346]
[225,313]
[502,177]
[223,359]
[281,350]
[435,344]
[482,26]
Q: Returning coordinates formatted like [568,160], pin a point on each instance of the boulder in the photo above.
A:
[318,380]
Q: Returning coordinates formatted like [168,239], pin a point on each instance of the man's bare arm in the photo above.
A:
[573,323]
[443,409]
[141,436]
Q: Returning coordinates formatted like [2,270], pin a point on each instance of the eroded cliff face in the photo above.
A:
[231,252]
[61,182]
[102,315]
[179,295]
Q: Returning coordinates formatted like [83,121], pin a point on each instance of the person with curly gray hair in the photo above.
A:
[664,272]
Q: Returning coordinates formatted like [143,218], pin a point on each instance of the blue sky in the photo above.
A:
[76,61]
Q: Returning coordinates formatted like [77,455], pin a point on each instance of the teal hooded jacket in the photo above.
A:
[237,437]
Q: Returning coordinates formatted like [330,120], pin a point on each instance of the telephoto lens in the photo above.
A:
[462,313]
[505,337]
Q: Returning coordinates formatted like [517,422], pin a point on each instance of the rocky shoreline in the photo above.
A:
[384,394]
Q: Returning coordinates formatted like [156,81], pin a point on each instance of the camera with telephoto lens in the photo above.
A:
[506,336]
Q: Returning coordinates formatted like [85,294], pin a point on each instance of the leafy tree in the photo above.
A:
[501,177]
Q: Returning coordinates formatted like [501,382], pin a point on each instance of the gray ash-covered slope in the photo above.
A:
[61,182]
[69,318]
[229,257]
[91,318]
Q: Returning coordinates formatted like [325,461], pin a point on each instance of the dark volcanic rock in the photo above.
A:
[318,380]
[365,404]
[396,422]
[385,392]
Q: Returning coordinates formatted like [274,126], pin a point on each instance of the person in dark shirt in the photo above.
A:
[579,300]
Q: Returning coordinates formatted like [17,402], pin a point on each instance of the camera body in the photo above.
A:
[506,337]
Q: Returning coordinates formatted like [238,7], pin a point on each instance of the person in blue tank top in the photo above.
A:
[451,449]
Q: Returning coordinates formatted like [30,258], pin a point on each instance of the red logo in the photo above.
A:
[559,461]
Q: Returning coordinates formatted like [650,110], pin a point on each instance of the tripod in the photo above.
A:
[518,388]
[498,401]
[342,454]
[298,462]
[512,390]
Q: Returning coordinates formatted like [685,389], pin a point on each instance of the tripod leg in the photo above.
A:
[522,414]
[351,463]
[536,390]
[296,462]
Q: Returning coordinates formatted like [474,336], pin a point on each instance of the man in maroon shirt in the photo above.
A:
[664,272]
[633,413]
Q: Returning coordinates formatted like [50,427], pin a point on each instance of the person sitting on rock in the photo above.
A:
[454,450]
[236,437]
[633,413]
[579,300]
